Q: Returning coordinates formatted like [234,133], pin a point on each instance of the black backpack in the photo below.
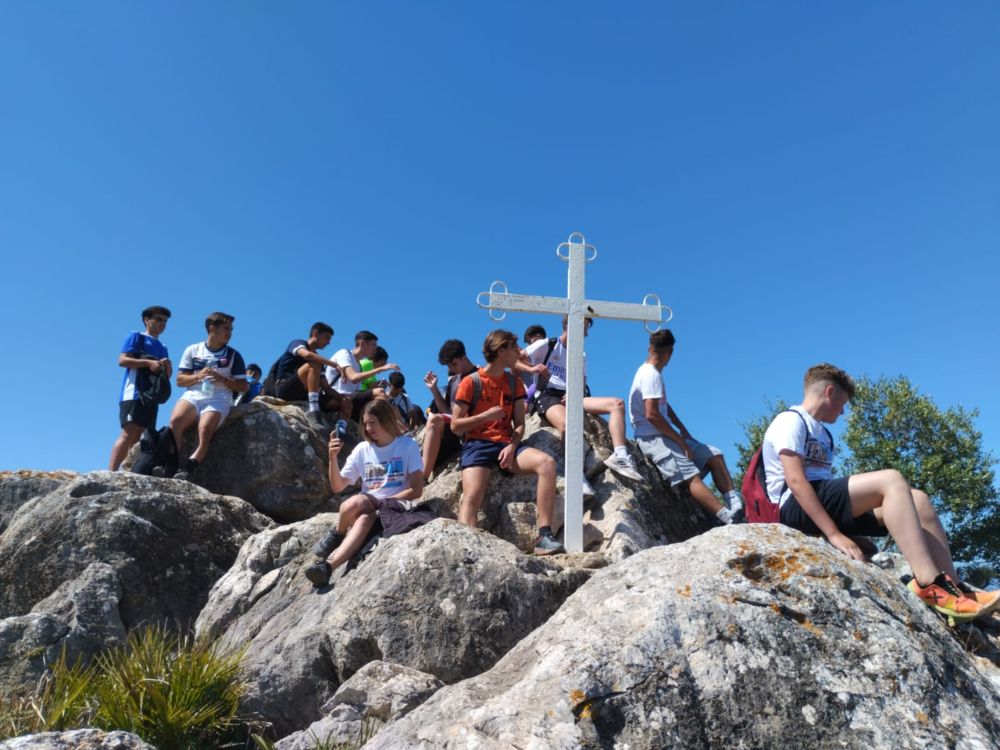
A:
[532,405]
[157,448]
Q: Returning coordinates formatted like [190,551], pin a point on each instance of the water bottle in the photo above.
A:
[208,384]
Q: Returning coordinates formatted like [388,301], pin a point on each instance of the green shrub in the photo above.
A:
[174,692]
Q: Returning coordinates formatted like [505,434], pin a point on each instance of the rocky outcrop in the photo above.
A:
[18,487]
[624,517]
[745,637]
[377,693]
[167,541]
[267,454]
[78,739]
[444,599]
[80,617]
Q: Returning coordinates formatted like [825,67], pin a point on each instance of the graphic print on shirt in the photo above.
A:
[817,454]
[387,473]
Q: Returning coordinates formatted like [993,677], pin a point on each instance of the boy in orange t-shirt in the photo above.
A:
[492,437]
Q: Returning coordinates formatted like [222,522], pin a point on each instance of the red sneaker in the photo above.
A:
[945,597]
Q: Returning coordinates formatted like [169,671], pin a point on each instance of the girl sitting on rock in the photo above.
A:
[389,466]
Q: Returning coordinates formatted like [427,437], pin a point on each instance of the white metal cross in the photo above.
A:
[577,308]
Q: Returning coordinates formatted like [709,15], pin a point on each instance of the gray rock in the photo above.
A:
[18,487]
[168,541]
[624,517]
[745,637]
[81,616]
[443,599]
[77,739]
[269,455]
[376,694]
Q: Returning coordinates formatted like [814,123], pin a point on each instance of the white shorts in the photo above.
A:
[671,460]
[220,402]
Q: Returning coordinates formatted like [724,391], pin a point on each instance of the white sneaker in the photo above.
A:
[588,491]
[726,516]
[623,466]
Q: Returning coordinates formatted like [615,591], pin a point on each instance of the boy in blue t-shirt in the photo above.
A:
[142,354]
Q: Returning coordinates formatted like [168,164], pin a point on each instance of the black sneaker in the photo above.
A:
[183,475]
[325,546]
[319,573]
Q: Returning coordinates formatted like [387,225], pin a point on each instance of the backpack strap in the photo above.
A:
[477,391]
[784,485]
[552,345]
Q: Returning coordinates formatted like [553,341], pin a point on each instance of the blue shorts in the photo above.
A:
[484,453]
[835,498]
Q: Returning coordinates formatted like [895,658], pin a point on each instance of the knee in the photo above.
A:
[895,480]
[434,422]
[922,502]
[547,467]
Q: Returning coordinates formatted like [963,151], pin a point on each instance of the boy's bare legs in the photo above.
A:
[129,436]
[721,477]
[703,496]
[182,419]
[888,490]
[433,433]
[534,461]
[614,408]
[351,509]
[207,425]
[353,541]
[474,482]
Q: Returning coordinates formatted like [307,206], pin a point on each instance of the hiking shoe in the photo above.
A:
[588,491]
[546,544]
[330,541]
[159,471]
[726,516]
[945,597]
[316,422]
[623,467]
[319,573]
[183,475]
[988,600]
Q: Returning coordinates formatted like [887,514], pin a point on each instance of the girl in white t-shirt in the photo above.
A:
[389,466]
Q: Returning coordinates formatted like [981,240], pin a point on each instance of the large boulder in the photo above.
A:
[167,540]
[376,694]
[443,599]
[80,617]
[745,637]
[624,517]
[77,739]
[18,487]
[268,454]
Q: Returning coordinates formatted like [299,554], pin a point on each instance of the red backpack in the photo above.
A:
[757,503]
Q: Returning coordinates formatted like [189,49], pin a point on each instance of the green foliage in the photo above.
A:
[174,692]
[58,703]
[892,425]
[754,429]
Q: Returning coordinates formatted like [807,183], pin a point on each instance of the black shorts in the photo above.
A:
[360,399]
[137,413]
[292,389]
[833,495]
[548,398]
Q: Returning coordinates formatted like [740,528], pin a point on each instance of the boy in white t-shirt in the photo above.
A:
[346,376]
[548,364]
[389,467]
[666,441]
[798,463]
[212,371]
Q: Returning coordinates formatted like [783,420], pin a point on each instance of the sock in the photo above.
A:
[725,515]
[621,452]
[314,401]
[734,499]
[544,531]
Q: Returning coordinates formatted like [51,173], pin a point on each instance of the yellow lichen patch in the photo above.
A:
[732,630]
[922,717]
[685,592]
[576,696]
[775,607]
[858,635]
[29,473]
[585,713]
[811,628]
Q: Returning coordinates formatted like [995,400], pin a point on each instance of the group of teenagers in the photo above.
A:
[479,417]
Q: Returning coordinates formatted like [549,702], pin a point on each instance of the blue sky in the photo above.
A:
[800,182]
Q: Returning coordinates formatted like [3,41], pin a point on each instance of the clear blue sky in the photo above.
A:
[799,181]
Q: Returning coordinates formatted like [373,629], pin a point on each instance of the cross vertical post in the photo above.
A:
[577,308]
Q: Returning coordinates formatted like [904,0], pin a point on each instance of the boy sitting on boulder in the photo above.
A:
[798,458]
[212,371]
[489,411]
[666,441]
[346,375]
[440,443]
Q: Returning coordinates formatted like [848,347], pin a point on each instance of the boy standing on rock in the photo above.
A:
[489,411]
[212,371]
[142,354]
[798,458]
[666,441]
